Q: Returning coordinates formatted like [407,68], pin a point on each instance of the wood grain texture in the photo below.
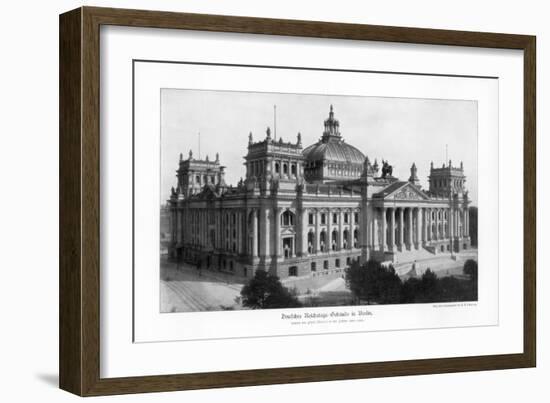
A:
[70,270]
[79,200]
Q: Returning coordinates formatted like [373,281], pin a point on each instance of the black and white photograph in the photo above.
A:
[282,200]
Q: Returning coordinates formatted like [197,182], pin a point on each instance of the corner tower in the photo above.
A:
[270,159]
[193,174]
[447,180]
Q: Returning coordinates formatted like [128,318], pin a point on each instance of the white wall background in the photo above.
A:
[29,198]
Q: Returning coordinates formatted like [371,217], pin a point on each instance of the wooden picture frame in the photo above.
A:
[80,187]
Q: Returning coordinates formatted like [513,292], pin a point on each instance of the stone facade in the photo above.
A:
[301,212]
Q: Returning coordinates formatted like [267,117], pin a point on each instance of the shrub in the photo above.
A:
[265,291]
[372,282]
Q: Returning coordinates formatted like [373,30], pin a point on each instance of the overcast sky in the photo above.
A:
[400,130]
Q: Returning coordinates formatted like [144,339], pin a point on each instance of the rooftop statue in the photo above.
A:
[387,169]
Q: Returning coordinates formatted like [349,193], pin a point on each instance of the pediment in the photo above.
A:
[405,192]
[287,231]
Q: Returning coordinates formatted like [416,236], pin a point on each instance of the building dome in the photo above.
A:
[331,158]
[338,152]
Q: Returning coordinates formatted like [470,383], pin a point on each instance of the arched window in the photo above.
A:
[293,169]
[323,240]
[277,168]
[334,240]
[198,179]
[287,218]
[346,239]
[355,238]
[310,240]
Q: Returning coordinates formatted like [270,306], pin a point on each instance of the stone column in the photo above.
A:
[264,233]
[328,240]
[401,222]
[410,231]
[340,230]
[451,227]
[430,223]
[317,242]
[392,230]
[277,234]
[463,227]
[436,235]
[196,235]
[375,237]
[424,226]
[220,230]
[239,233]
[467,221]
[201,228]
[418,228]
[372,226]
[254,233]
[450,223]
[304,231]
[460,223]
[384,243]
[204,229]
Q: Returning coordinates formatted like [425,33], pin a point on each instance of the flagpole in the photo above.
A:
[274,122]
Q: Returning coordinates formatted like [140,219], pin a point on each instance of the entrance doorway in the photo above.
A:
[288,247]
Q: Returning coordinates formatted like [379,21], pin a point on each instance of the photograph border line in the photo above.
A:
[135,61]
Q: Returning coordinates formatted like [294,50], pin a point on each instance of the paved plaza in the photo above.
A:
[183,288]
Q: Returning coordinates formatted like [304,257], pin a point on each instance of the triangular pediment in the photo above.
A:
[403,191]
[287,231]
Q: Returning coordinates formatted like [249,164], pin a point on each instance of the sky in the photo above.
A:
[400,130]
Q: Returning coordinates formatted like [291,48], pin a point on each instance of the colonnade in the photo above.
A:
[408,228]
[259,231]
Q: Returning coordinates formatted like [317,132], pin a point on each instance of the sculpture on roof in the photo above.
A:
[387,169]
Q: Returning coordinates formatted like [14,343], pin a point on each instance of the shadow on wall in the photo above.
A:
[49,379]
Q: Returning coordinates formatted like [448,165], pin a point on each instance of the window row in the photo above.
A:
[311,218]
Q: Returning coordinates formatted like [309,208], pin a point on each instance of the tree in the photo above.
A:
[472,216]
[265,291]
[470,269]
[410,290]
[372,282]
[430,290]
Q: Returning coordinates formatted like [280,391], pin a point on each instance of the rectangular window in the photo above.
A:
[335,218]
[355,218]
[323,218]
[325,264]
[346,218]
[313,266]
[310,219]
[337,262]
[348,261]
